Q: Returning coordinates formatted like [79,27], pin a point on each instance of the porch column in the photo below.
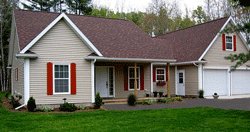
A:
[168,83]
[26,80]
[135,77]
[93,81]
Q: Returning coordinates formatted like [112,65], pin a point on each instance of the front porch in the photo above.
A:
[116,80]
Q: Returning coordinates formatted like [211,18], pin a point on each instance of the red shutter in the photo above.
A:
[141,78]
[49,78]
[154,74]
[223,42]
[166,73]
[234,42]
[125,72]
[73,78]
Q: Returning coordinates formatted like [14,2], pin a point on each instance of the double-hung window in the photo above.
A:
[229,43]
[131,78]
[61,79]
[160,74]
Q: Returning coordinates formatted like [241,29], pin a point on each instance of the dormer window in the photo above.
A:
[229,43]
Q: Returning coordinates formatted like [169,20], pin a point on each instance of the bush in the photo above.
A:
[177,99]
[201,94]
[148,101]
[31,104]
[7,95]
[15,101]
[165,100]
[67,107]
[45,109]
[131,100]
[98,101]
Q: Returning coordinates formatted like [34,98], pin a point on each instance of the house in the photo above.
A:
[55,56]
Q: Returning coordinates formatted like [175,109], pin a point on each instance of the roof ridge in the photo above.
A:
[192,26]
[72,14]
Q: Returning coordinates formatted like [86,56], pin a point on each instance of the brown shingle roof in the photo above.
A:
[112,37]
[190,43]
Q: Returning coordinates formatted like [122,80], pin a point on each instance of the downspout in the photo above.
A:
[93,80]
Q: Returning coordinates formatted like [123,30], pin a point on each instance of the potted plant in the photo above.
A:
[216,96]
[147,94]
[155,93]
[161,83]
[161,93]
[201,93]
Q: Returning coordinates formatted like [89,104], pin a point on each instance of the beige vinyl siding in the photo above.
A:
[119,78]
[60,46]
[191,79]
[17,85]
[172,82]
[215,56]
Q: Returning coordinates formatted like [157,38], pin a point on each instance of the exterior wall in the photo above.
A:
[172,81]
[119,78]
[215,56]
[191,79]
[17,85]
[60,46]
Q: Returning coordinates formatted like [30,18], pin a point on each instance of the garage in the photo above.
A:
[215,81]
[240,82]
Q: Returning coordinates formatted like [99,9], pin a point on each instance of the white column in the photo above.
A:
[26,80]
[151,78]
[229,82]
[93,81]
[200,77]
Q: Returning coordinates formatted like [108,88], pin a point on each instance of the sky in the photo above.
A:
[141,5]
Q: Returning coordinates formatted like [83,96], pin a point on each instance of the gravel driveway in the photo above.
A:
[237,104]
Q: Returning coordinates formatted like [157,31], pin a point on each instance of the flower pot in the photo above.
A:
[155,94]
[161,94]
[147,95]
[216,96]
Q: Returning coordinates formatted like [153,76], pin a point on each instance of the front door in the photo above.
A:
[104,81]
[181,82]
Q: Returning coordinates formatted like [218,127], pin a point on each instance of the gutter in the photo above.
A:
[128,59]
[24,56]
[188,63]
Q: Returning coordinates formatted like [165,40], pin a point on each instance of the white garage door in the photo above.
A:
[215,81]
[240,82]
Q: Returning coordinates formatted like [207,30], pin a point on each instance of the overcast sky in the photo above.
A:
[141,5]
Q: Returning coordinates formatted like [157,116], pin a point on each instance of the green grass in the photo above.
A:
[195,119]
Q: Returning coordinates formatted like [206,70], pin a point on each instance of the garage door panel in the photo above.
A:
[215,81]
[240,82]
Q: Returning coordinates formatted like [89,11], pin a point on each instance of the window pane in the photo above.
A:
[228,39]
[56,68]
[160,77]
[131,73]
[160,71]
[180,77]
[61,78]
[61,85]
[56,74]
[132,83]
[229,45]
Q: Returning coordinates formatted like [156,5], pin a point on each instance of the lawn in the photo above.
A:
[195,119]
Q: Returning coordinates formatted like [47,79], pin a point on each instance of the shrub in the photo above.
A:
[15,101]
[45,109]
[7,95]
[67,107]
[148,101]
[31,104]
[177,99]
[131,100]
[201,94]
[98,101]
[165,100]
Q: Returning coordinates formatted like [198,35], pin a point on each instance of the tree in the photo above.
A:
[40,5]
[199,15]
[242,26]
[5,27]
[80,7]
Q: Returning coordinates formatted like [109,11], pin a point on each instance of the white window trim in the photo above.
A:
[160,74]
[58,93]
[232,42]
[139,78]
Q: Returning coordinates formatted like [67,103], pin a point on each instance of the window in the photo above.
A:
[229,43]
[61,78]
[160,74]
[131,78]
[180,77]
